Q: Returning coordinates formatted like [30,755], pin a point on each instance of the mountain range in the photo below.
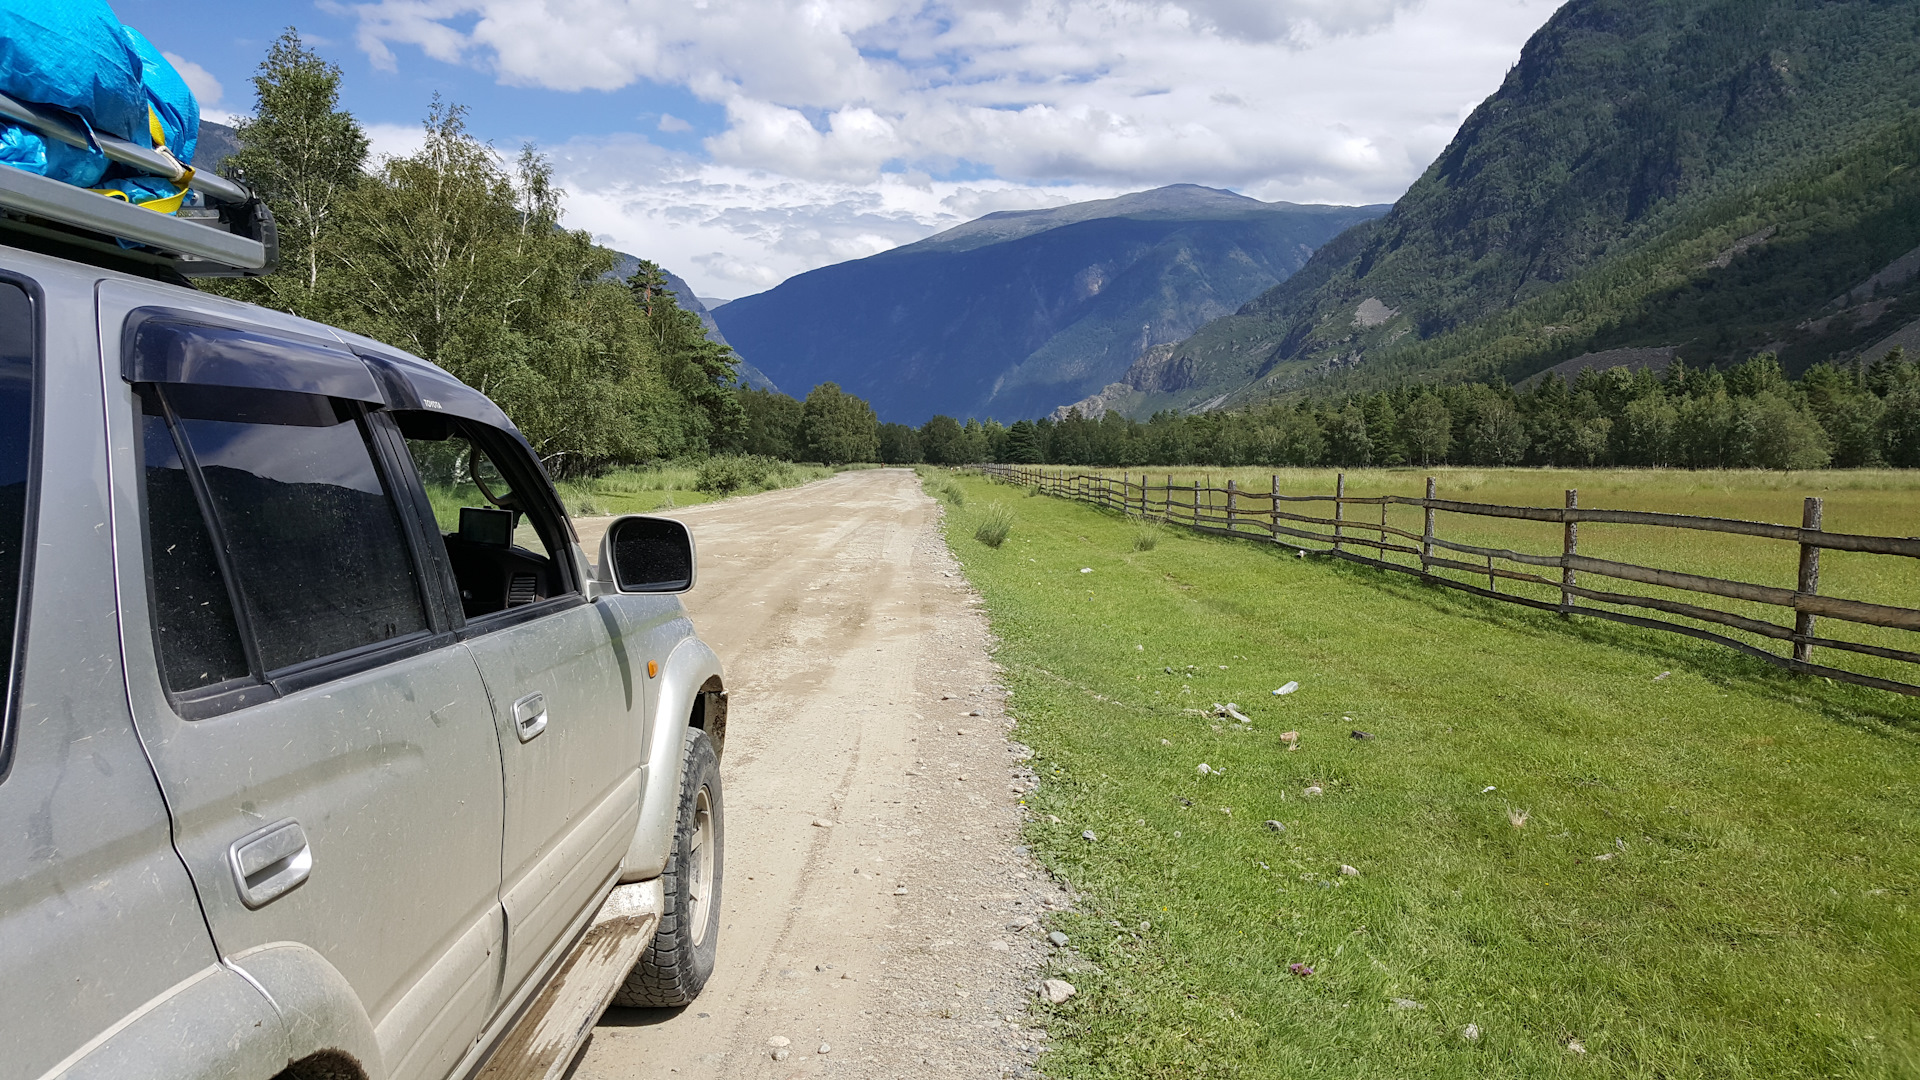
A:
[1702,178]
[1018,312]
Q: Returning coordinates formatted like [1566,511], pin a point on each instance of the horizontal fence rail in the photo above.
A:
[1330,529]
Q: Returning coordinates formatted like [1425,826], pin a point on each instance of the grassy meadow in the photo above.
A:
[1878,502]
[1579,849]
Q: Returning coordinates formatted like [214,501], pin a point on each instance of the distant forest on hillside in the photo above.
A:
[1751,416]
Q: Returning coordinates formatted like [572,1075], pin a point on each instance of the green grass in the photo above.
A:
[1754,916]
[1878,502]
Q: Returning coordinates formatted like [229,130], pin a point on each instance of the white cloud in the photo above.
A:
[673,125]
[206,89]
[837,101]
[393,140]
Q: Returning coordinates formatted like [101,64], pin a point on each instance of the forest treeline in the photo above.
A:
[1750,416]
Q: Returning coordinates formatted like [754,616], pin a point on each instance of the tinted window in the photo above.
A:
[16,459]
[193,612]
[310,534]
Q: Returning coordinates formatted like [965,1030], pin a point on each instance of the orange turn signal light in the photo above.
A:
[653,668]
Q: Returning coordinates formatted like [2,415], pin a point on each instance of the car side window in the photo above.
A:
[504,546]
[16,462]
[270,525]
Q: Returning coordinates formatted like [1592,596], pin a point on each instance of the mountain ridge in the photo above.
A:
[1011,314]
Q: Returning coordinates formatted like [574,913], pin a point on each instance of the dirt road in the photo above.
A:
[876,915]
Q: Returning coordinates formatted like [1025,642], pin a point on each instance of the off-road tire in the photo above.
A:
[675,967]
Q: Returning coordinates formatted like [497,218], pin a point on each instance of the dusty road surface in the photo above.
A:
[878,919]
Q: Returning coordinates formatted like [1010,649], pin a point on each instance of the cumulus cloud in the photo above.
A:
[845,101]
[206,89]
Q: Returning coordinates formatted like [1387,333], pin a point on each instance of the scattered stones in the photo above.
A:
[1312,791]
[822,823]
[900,891]
[1358,734]
[824,1049]
[1058,939]
[1274,826]
[1057,990]
[782,1054]
[1287,689]
[779,1041]
[999,946]
[1471,1033]
[1088,835]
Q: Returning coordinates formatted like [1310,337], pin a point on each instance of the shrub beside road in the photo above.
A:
[1573,845]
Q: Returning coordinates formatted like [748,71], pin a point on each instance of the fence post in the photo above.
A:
[1339,507]
[1809,583]
[1273,510]
[1196,504]
[1233,504]
[1426,540]
[1381,551]
[1568,548]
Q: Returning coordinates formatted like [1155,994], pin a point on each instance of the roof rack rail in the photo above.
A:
[231,235]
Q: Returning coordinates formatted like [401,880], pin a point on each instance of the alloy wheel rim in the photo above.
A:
[700,862]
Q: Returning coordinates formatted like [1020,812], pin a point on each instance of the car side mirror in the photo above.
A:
[642,554]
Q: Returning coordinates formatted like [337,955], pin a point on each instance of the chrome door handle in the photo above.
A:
[530,716]
[268,863]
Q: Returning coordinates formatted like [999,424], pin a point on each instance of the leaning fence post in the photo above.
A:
[1809,583]
[1567,551]
[1426,539]
[1233,504]
[1339,507]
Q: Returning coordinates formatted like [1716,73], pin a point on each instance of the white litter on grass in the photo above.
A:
[1287,689]
[1086,569]
[1348,871]
[1204,769]
[1314,790]
[1487,789]
[1471,1033]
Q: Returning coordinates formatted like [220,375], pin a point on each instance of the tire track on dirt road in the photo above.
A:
[863,696]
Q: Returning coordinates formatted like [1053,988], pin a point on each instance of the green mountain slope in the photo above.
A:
[1720,176]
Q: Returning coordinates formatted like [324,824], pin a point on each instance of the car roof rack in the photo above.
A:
[230,233]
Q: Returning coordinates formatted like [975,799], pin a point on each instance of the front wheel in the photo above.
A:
[678,963]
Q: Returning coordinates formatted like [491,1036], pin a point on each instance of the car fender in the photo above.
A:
[318,1005]
[690,670]
[214,1023]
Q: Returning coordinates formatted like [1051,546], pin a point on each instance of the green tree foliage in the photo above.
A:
[305,156]
[900,445]
[772,424]
[1750,417]
[838,427]
[458,255]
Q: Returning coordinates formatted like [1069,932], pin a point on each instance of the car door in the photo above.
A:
[567,686]
[98,924]
[324,742]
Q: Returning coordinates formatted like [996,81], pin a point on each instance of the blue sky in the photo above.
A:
[742,141]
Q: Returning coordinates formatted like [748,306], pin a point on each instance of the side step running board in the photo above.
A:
[543,1042]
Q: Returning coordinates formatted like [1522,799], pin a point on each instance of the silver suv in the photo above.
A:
[307,768]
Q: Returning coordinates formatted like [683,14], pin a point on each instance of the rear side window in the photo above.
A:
[274,540]
[16,463]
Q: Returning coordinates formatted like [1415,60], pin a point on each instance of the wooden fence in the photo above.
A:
[1234,511]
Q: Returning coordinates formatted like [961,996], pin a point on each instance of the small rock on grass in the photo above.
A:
[1057,990]
[1471,1033]
[1348,871]
[1358,734]
[1274,826]
[1058,939]
[1088,835]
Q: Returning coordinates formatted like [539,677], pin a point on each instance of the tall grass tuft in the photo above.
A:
[995,523]
[953,493]
[1147,536]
